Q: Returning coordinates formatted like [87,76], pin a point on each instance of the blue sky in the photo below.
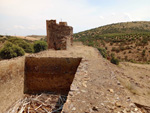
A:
[27,17]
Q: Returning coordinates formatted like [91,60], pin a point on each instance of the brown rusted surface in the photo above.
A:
[49,74]
[59,36]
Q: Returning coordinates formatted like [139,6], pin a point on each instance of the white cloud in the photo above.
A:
[19,27]
[113,14]
[35,27]
[101,17]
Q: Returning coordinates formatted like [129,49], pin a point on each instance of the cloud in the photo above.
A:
[35,27]
[19,27]
[101,17]
[113,14]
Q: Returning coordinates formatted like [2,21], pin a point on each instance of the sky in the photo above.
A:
[28,17]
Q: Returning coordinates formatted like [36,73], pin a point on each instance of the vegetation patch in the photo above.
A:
[103,52]
[129,41]
[10,51]
[28,47]
[115,60]
[40,46]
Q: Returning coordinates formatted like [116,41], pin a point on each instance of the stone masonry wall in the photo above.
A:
[49,74]
[59,36]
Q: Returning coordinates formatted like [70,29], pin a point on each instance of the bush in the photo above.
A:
[103,52]
[40,46]
[21,43]
[10,51]
[143,52]
[115,61]
[113,49]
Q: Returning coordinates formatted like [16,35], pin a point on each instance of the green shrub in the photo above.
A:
[91,43]
[10,51]
[23,44]
[113,49]
[40,46]
[143,52]
[115,61]
[103,52]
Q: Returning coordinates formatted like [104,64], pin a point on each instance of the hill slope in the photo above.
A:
[127,41]
[125,27]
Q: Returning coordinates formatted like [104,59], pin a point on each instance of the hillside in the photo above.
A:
[128,41]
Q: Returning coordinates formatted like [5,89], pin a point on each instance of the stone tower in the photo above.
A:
[59,36]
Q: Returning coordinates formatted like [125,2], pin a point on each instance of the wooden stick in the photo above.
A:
[38,107]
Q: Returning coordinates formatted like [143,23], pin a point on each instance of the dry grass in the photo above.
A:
[129,86]
[136,80]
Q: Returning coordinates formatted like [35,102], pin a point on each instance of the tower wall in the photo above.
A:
[59,36]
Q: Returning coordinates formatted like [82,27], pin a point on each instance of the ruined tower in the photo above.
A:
[59,36]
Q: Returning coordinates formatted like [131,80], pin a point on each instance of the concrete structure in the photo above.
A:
[59,36]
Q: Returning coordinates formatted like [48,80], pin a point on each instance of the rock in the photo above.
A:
[136,109]
[84,83]
[83,91]
[111,90]
[95,108]
[118,83]
[112,108]
[132,112]
[117,98]
[102,104]
[132,105]
[124,111]
[127,109]
[73,109]
[118,104]
[71,93]
[97,91]
[74,88]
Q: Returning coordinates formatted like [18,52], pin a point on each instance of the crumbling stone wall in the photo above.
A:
[48,74]
[59,36]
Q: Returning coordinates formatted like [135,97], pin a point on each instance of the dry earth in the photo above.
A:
[136,79]
[98,86]
[29,38]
